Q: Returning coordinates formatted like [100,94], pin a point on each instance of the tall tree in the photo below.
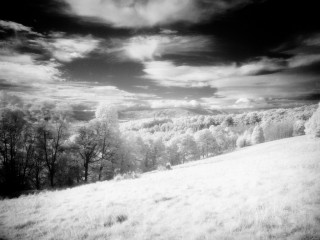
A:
[107,127]
[51,137]
[87,143]
[205,141]
[12,124]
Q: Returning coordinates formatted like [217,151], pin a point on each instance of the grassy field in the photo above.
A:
[267,191]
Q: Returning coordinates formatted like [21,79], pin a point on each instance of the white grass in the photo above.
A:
[267,191]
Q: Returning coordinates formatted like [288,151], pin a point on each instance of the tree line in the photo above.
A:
[45,148]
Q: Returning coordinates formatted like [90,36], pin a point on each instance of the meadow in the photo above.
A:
[266,191]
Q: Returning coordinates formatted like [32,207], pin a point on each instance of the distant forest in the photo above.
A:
[42,147]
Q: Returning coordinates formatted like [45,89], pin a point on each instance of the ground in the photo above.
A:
[266,191]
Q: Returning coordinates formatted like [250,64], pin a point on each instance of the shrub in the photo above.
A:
[299,128]
[241,142]
[257,135]
[244,140]
[312,126]
[128,175]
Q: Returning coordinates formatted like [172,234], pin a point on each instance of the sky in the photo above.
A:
[140,54]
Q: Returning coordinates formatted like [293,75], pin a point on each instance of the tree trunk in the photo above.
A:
[51,175]
[100,172]
[86,168]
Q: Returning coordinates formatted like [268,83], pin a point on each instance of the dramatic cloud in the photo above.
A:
[66,48]
[148,13]
[25,69]
[161,53]
[303,60]
[168,74]
[313,40]
[145,48]
[8,25]
[85,92]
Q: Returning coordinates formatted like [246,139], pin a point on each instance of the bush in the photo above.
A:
[128,175]
[244,140]
[241,142]
[299,128]
[312,126]
[257,135]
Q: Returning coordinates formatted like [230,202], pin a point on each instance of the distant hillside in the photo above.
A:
[267,191]
[165,112]
[128,115]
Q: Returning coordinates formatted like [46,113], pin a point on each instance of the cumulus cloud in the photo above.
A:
[167,103]
[58,45]
[250,103]
[149,13]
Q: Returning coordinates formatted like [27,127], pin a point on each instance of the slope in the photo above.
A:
[164,113]
[267,191]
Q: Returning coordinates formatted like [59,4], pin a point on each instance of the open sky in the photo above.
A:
[161,53]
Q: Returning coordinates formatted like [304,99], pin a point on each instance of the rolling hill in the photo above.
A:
[267,191]
[165,113]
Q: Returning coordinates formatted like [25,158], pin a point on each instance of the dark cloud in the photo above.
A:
[239,49]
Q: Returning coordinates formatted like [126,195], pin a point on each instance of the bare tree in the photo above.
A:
[87,143]
[51,137]
[12,124]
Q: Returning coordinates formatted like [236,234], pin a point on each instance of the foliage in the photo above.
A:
[257,135]
[312,126]
[299,128]
[278,130]
[244,140]
[42,147]
[127,175]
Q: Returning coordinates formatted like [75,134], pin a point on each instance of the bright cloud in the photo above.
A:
[8,25]
[303,60]
[85,93]
[250,103]
[146,48]
[65,49]
[148,13]
[168,74]
[24,68]
[174,103]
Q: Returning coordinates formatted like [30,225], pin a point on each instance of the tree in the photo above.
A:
[187,148]
[228,121]
[252,118]
[52,135]
[257,135]
[106,126]
[244,140]
[157,150]
[313,124]
[28,163]
[130,152]
[205,141]
[87,143]
[172,151]
[12,125]
[299,128]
